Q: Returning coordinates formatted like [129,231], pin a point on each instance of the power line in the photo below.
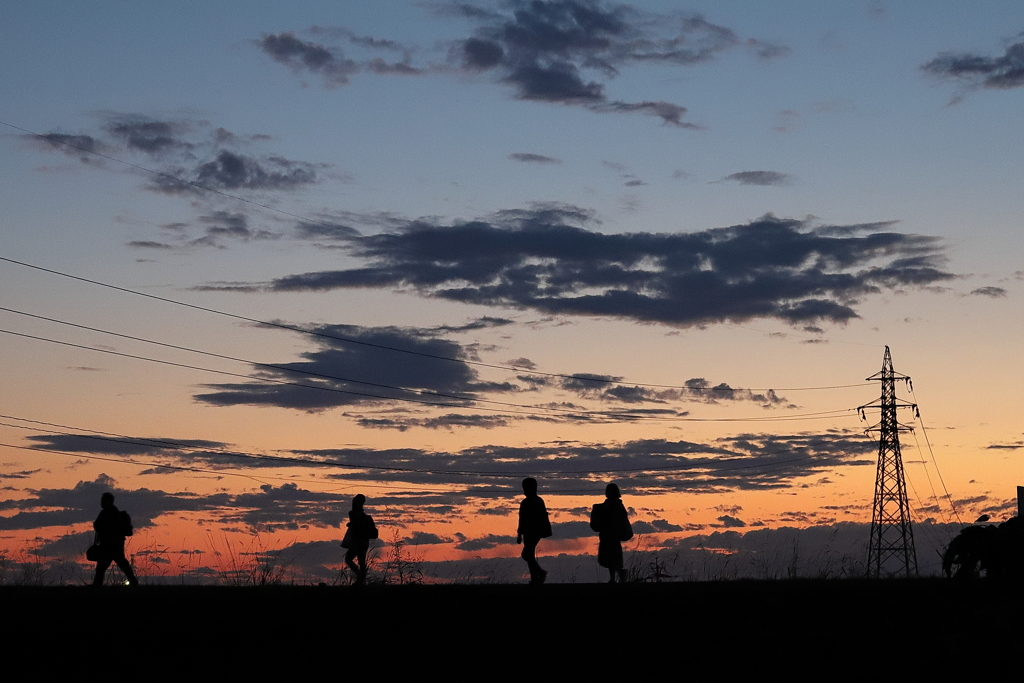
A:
[829,414]
[53,140]
[931,485]
[284,368]
[935,462]
[384,347]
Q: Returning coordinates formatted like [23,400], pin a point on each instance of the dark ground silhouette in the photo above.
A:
[798,628]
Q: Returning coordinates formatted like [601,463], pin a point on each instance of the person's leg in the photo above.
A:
[101,569]
[537,575]
[361,556]
[126,568]
[350,555]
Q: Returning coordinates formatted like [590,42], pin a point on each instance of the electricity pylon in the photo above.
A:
[891,550]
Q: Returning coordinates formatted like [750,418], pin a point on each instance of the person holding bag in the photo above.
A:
[361,530]
[610,521]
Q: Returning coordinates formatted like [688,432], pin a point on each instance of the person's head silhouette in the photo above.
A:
[358,502]
[530,486]
[107,500]
[612,491]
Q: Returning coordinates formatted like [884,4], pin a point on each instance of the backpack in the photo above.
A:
[124,523]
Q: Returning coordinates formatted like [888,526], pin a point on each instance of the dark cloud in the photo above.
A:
[426,538]
[481,54]
[300,55]
[221,225]
[992,292]
[533,158]
[358,372]
[545,259]
[330,62]
[190,155]
[748,462]
[664,526]
[232,171]
[559,51]
[1016,445]
[285,507]
[609,388]
[485,542]
[170,451]
[23,474]
[655,526]
[669,113]
[1004,72]
[462,10]
[81,147]
[342,225]
[383,68]
[150,136]
[81,504]
[69,545]
[80,443]
[759,178]
[148,244]
[728,521]
[481,323]
[770,51]
[564,531]
[743,462]
[447,421]
[565,51]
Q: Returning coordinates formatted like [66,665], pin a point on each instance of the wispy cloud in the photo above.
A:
[533,158]
[557,51]
[766,178]
[1003,72]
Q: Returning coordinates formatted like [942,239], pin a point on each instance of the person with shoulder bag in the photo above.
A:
[361,530]
[112,526]
[611,522]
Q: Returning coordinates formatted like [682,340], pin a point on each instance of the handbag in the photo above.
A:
[346,542]
[93,553]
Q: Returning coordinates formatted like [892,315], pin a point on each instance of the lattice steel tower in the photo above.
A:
[891,550]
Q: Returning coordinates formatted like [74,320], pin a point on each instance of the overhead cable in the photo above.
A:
[828,414]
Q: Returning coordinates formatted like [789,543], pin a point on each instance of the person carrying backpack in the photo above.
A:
[610,521]
[112,526]
[361,530]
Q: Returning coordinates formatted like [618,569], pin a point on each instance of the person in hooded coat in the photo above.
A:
[610,521]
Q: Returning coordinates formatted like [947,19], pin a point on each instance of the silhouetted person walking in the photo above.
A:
[361,530]
[112,526]
[610,521]
[533,526]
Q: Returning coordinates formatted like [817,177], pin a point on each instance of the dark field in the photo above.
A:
[686,628]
